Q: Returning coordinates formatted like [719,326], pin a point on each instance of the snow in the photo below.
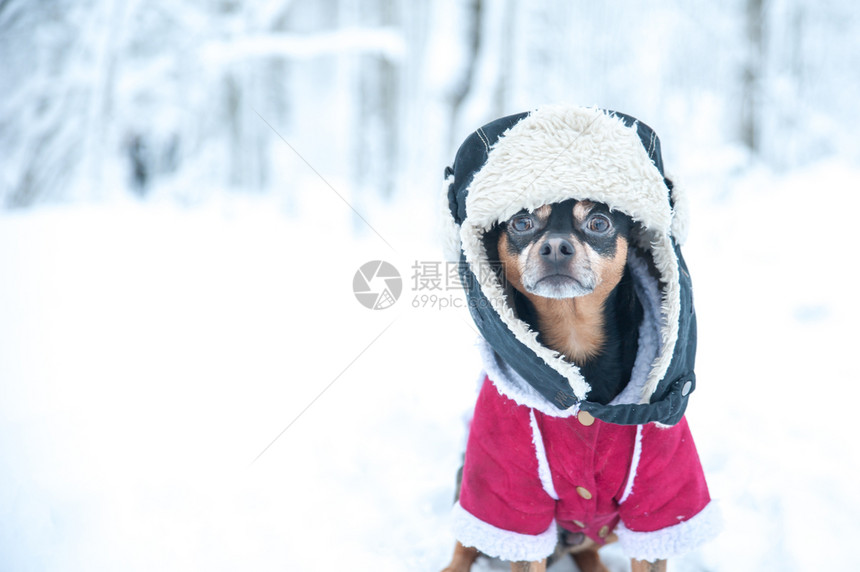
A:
[150,352]
[188,383]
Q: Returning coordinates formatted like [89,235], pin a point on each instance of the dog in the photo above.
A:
[567,265]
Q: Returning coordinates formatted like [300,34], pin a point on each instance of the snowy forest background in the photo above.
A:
[192,96]
[187,189]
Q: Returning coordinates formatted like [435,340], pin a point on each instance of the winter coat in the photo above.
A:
[530,461]
[527,472]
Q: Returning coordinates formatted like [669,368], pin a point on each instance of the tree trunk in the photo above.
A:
[751,79]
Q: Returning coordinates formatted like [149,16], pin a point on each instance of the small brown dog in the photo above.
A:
[569,263]
[568,232]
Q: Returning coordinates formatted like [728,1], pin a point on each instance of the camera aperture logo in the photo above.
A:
[377,285]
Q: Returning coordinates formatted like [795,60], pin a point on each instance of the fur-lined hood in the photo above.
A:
[547,156]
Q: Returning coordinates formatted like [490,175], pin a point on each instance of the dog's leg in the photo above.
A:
[529,566]
[464,557]
[644,566]
[583,550]
[589,561]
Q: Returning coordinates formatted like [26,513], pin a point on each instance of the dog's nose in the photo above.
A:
[556,248]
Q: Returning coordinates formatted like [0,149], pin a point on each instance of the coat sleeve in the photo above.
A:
[666,509]
[503,509]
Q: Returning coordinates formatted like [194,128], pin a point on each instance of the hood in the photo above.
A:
[546,156]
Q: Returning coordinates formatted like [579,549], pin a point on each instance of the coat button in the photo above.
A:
[585,418]
[583,492]
[686,389]
[604,532]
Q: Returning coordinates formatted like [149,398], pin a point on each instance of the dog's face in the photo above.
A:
[564,250]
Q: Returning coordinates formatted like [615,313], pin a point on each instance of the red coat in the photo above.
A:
[525,471]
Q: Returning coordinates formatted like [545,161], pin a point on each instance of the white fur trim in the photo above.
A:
[510,384]
[563,152]
[483,375]
[680,212]
[469,413]
[500,543]
[543,463]
[670,310]
[634,465]
[449,232]
[674,540]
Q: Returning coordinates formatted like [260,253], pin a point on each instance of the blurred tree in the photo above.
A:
[752,74]
[377,117]
[462,86]
[48,84]
[105,96]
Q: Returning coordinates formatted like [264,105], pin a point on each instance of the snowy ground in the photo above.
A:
[149,353]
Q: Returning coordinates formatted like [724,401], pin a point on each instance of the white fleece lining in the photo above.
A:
[500,543]
[648,292]
[674,540]
[680,212]
[563,152]
[510,384]
[543,463]
[558,153]
[448,231]
[634,465]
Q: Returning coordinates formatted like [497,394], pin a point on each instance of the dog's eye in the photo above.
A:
[599,224]
[522,223]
